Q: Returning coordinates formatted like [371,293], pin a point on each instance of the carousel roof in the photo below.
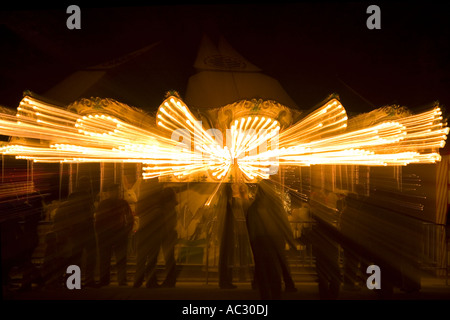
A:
[224,77]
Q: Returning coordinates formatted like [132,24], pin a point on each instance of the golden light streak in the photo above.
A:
[181,147]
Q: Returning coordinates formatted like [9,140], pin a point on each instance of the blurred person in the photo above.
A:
[349,227]
[113,223]
[157,231]
[32,215]
[131,195]
[82,234]
[9,230]
[148,241]
[226,251]
[285,232]
[269,231]
[169,235]
[58,245]
[240,204]
[19,237]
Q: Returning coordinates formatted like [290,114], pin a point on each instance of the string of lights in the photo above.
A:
[253,147]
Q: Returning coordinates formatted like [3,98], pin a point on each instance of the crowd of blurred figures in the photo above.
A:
[252,230]
[94,232]
[88,230]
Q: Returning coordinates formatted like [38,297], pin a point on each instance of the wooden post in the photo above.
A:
[60,178]
[78,170]
[71,178]
[102,174]
[32,171]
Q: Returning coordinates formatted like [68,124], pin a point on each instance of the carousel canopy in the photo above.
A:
[224,76]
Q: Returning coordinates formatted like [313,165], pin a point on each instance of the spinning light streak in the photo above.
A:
[252,148]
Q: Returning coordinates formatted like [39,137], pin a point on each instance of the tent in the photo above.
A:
[224,76]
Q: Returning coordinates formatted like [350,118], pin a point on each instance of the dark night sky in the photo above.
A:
[313,49]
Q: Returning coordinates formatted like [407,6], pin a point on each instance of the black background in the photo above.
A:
[313,49]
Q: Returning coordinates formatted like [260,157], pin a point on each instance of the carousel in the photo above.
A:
[200,144]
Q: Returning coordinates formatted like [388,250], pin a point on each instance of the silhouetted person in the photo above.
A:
[239,205]
[83,235]
[113,223]
[169,235]
[9,231]
[226,254]
[269,230]
[19,237]
[31,218]
[157,222]
[58,250]
[147,235]
[349,227]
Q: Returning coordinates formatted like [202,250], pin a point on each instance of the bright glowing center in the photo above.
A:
[252,148]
